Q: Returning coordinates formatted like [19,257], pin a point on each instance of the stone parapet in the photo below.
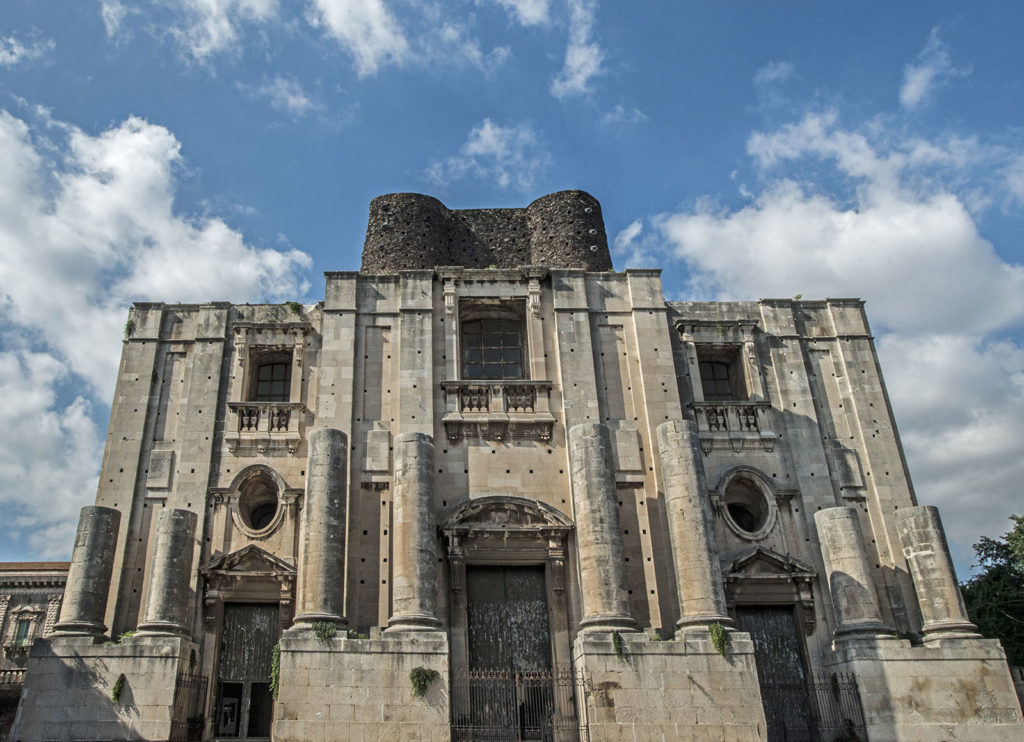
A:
[351,689]
[645,691]
[949,690]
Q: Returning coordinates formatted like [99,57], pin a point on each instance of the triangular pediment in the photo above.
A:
[249,559]
[762,562]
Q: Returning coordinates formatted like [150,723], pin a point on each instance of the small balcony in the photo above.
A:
[263,426]
[498,410]
[735,425]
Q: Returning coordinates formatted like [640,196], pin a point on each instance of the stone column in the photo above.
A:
[168,602]
[849,575]
[698,574]
[321,588]
[414,556]
[598,536]
[85,596]
[931,567]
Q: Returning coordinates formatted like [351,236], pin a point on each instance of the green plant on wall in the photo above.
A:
[128,327]
[115,692]
[295,307]
[275,671]
[719,638]
[324,631]
[617,643]
[421,678]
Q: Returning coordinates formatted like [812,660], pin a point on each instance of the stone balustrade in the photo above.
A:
[263,426]
[498,409]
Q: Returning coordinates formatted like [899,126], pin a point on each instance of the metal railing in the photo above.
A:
[510,706]
[189,704]
[824,709]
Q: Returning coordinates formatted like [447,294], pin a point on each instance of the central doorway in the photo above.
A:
[507,619]
[245,707]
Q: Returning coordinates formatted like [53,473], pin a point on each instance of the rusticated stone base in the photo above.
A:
[678,690]
[359,689]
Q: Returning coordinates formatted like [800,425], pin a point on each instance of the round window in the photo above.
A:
[257,503]
[747,506]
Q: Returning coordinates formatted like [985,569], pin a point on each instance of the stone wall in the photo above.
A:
[681,690]
[412,231]
[949,690]
[352,689]
[68,689]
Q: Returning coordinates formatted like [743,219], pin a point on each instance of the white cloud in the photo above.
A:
[621,115]
[507,155]
[527,12]
[366,29]
[583,57]
[452,43]
[88,225]
[113,13]
[773,72]
[48,455]
[211,27]
[13,51]
[933,68]
[285,95]
[632,248]
[900,233]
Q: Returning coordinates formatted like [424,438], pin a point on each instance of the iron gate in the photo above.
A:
[833,713]
[509,706]
[189,700]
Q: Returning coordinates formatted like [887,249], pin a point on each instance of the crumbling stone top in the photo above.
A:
[413,231]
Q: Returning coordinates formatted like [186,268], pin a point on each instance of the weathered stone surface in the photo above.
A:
[168,607]
[602,574]
[849,578]
[698,574]
[85,597]
[931,566]
[409,231]
[321,589]
[415,555]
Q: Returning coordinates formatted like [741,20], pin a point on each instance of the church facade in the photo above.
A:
[490,488]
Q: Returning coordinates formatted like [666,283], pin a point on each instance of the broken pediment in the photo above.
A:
[505,513]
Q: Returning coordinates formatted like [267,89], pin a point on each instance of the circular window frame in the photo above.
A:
[243,481]
[760,484]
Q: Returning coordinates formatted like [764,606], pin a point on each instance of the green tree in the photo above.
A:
[995,596]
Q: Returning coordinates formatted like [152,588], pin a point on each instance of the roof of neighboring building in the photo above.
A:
[34,566]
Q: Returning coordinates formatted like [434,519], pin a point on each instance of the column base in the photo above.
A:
[857,631]
[412,622]
[161,628]
[687,623]
[306,620]
[949,630]
[80,628]
[604,624]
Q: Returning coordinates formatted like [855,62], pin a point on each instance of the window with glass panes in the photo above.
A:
[716,381]
[492,349]
[21,632]
[273,382]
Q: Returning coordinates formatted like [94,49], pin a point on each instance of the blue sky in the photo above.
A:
[228,149]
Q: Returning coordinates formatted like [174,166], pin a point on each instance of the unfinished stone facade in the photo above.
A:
[488,486]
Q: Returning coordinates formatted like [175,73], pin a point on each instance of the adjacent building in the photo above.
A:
[490,488]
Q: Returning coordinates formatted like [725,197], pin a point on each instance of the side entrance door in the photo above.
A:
[245,707]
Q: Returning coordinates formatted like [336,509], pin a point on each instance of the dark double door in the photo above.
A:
[245,708]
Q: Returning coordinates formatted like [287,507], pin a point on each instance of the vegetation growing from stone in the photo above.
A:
[275,671]
[719,638]
[128,327]
[353,634]
[617,643]
[995,596]
[324,631]
[115,692]
[421,678]
[295,307]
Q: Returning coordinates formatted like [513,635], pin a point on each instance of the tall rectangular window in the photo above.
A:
[271,379]
[721,374]
[22,631]
[492,348]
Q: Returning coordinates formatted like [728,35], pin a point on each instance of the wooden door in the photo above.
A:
[245,708]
